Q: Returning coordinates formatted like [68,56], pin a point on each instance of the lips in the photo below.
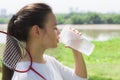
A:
[58,38]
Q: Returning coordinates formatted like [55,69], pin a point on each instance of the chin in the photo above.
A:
[53,46]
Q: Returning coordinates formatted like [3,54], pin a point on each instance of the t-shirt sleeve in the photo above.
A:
[66,72]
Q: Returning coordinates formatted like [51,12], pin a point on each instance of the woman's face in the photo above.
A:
[51,36]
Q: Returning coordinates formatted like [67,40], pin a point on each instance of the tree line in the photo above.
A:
[88,18]
[80,18]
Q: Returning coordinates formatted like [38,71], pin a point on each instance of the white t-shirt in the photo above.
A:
[51,70]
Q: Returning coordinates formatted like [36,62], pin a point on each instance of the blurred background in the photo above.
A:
[98,20]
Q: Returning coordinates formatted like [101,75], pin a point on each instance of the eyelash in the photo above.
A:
[55,28]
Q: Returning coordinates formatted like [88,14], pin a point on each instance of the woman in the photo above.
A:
[35,24]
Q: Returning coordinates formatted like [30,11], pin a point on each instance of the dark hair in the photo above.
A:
[32,14]
[22,21]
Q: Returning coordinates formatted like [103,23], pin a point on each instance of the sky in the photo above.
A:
[65,6]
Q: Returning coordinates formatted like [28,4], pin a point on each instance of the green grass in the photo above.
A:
[0,75]
[102,64]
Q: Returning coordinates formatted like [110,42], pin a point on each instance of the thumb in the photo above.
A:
[66,46]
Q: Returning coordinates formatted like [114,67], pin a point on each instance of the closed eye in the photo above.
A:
[55,28]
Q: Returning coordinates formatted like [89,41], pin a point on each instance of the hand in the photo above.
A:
[71,48]
[75,31]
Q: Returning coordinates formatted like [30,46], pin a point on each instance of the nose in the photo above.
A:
[58,32]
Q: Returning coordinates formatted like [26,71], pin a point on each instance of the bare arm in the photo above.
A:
[80,67]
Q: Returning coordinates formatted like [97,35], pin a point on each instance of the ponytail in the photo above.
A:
[6,72]
[11,25]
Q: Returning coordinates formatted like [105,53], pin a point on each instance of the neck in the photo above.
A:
[36,53]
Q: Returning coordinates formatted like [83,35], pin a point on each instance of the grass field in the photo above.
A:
[102,64]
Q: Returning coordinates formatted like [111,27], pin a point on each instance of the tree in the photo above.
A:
[94,18]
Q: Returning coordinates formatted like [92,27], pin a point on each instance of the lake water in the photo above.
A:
[92,32]
[98,32]
[101,35]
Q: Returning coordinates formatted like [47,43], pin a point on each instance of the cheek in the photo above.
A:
[52,34]
[49,37]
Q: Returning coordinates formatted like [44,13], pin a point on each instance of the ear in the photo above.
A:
[36,31]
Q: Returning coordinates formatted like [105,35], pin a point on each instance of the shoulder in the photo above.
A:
[51,59]
[48,57]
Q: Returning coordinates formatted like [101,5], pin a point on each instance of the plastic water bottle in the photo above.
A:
[73,38]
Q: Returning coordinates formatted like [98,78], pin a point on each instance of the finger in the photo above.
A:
[75,31]
[66,46]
